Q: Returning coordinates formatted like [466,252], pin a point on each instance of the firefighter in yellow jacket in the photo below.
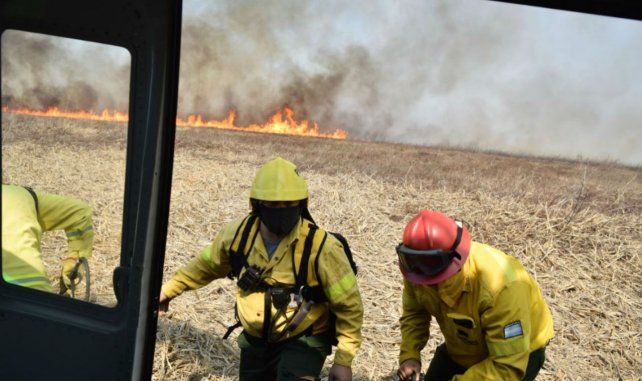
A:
[491,312]
[25,216]
[297,292]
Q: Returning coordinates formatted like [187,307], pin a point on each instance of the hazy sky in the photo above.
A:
[466,73]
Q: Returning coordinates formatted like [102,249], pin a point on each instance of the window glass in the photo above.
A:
[525,122]
[64,131]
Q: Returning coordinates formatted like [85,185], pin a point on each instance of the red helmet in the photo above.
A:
[434,248]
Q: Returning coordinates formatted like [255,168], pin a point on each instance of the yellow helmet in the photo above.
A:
[278,180]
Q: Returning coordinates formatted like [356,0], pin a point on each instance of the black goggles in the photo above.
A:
[424,262]
[428,262]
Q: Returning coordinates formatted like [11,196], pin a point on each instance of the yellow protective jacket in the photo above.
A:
[492,315]
[338,281]
[25,218]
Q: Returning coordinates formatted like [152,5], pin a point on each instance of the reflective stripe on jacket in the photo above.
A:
[22,228]
[492,315]
[337,278]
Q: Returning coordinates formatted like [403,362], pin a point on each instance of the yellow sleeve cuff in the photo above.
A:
[173,289]
[409,356]
[343,358]
[81,247]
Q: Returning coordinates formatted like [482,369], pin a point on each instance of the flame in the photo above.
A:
[106,115]
[282,122]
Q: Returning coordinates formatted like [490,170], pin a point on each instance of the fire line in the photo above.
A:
[281,122]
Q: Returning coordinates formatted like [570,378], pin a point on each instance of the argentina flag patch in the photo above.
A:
[513,330]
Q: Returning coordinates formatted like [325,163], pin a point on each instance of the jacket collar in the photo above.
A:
[451,289]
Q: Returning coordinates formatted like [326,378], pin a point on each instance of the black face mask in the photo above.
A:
[280,220]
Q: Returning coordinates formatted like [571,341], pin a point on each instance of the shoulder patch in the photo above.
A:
[513,330]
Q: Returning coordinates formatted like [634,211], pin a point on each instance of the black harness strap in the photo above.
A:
[316,260]
[256,234]
[346,249]
[35,199]
[246,232]
[316,293]
[238,260]
[231,329]
[301,277]
[243,257]
[313,293]
[238,257]
[267,314]
[238,229]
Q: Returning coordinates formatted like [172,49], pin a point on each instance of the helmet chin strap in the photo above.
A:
[255,206]
[305,212]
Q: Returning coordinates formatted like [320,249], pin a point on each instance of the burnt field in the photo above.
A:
[576,226]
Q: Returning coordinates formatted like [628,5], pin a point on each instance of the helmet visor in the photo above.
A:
[423,262]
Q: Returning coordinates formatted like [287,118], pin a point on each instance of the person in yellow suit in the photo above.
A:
[491,312]
[297,292]
[26,214]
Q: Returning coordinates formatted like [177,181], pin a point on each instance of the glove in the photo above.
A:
[68,266]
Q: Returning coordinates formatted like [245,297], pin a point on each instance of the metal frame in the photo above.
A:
[45,336]
[630,9]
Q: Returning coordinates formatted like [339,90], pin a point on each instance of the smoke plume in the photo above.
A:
[469,74]
[39,72]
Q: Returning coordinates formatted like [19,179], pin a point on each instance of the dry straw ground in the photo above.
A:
[576,226]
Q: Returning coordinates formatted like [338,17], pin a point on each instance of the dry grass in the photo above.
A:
[576,226]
